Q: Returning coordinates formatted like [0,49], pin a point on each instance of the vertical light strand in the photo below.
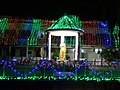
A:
[116,35]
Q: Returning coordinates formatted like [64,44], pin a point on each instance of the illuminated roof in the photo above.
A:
[68,22]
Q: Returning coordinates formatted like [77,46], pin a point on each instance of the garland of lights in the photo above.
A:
[69,76]
[33,26]
[116,35]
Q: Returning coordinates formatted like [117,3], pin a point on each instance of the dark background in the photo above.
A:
[103,10]
[53,9]
[58,85]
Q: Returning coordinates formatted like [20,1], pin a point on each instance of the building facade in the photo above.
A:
[26,37]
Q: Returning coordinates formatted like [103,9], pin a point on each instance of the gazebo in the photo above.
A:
[67,25]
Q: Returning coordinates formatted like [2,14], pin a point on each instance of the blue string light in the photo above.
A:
[60,73]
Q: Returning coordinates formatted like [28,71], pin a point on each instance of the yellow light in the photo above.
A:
[63,51]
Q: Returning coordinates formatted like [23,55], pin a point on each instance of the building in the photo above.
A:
[26,37]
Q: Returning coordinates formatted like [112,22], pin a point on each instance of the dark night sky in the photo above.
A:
[85,9]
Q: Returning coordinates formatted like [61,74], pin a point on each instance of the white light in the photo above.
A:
[64,33]
[100,50]
[96,50]
[73,50]
[82,51]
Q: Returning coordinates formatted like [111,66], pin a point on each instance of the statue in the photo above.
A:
[62,54]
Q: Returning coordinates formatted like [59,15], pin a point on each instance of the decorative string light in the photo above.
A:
[74,75]
[33,26]
[93,29]
[116,35]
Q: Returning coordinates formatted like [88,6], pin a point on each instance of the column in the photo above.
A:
[76,47]
[62,39]
[79,48]
[49,47]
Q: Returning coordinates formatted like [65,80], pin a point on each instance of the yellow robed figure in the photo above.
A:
[62,54]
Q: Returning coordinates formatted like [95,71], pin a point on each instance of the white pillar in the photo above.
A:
[49,47]
[76,47]
[62,39]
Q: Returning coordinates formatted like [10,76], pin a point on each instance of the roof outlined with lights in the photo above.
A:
[67,22]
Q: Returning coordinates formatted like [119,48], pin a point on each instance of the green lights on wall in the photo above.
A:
[116,35]
[33,38]
[21,26]
[36,26]
[3,25]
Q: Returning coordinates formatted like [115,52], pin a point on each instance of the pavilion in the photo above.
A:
[67,25]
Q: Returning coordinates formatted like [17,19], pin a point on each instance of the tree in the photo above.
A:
[110,54]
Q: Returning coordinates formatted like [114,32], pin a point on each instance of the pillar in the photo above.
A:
[49,47]
[62,39]
[47,44]
[76,47]
[79,48]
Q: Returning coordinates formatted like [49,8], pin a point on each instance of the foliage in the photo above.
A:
[55,54]
[110,53]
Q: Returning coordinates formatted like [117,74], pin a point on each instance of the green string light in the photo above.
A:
[66,22]
[36,27]
[116,35]
[3,25]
